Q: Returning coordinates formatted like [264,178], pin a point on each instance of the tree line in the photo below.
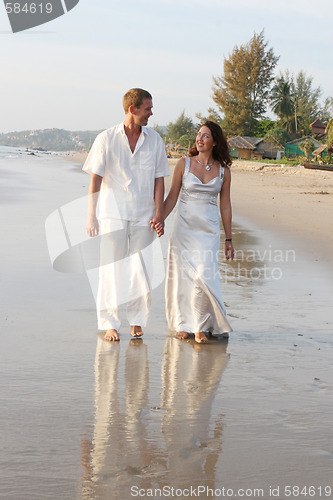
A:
[50,139]
[246,90]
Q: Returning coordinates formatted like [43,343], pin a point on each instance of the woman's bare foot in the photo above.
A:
[136,331]
[182,335]
[111,335]
[200,338]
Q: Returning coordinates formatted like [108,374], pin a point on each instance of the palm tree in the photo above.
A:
[282,100]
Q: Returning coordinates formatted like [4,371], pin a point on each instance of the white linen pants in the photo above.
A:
[123,276]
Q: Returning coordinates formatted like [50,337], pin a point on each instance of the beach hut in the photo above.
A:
[252,148]
[292,148]
[318,128]
[320,152]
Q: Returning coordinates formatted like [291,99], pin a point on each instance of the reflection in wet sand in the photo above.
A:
[119,446]
[190,378]
[138,446]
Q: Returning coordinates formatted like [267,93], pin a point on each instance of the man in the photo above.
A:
[127,164]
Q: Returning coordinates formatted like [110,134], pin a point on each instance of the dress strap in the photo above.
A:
[187,165]
[221,171]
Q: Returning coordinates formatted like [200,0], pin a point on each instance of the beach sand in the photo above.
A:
[293,201]
[83,418]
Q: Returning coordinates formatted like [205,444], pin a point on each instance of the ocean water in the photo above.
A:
[13,153]
[9,152]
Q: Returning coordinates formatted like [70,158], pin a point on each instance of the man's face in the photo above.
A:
[143,112]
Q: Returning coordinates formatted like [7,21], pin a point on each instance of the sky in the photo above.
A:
[72,72]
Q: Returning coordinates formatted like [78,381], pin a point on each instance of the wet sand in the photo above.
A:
[82,418]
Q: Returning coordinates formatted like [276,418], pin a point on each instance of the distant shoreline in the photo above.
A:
[75,156]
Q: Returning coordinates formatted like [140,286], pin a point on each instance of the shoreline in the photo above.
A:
[77,157]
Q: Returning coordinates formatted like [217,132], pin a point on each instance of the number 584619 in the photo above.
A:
[28,8]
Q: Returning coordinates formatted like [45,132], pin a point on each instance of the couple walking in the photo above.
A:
[127,165]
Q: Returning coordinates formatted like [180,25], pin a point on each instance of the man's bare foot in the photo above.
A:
[182,335]
[136,331]
[111,335]
[200,338]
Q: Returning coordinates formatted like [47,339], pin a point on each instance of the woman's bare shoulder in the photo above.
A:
[227,171]
[180,166]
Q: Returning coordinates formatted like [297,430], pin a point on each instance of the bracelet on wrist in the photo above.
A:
[228,239]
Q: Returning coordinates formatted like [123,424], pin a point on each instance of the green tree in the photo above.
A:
[277,135]
[182,126]
[186,140]
[282,101]
[160,130]
[262,127]
[305,98]
[326,112]
[308,106]
[212,116]
[241,93]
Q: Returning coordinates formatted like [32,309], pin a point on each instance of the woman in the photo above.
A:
[194,300]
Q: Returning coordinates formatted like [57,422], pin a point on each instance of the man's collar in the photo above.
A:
[121,129]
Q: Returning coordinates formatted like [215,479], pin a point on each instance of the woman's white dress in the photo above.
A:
[194,300]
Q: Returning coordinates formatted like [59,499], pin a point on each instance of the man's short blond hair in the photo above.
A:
[135,97]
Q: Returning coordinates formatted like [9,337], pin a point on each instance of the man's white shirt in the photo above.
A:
[127,190]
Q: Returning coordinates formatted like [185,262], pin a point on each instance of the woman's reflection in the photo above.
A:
[191,374]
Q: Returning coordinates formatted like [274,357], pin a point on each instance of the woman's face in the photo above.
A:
[204,140]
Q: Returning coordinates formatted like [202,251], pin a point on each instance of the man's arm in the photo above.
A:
[92,226]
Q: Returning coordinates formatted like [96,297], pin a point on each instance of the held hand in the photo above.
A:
[157,224]
[159,229]
[229,250]
[92,226]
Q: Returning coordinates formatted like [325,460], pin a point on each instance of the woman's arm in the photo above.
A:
[172,197]
[226,213]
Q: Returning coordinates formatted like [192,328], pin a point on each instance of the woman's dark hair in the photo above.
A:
[221,148]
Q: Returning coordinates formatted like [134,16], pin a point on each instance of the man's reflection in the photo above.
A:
[120,447]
